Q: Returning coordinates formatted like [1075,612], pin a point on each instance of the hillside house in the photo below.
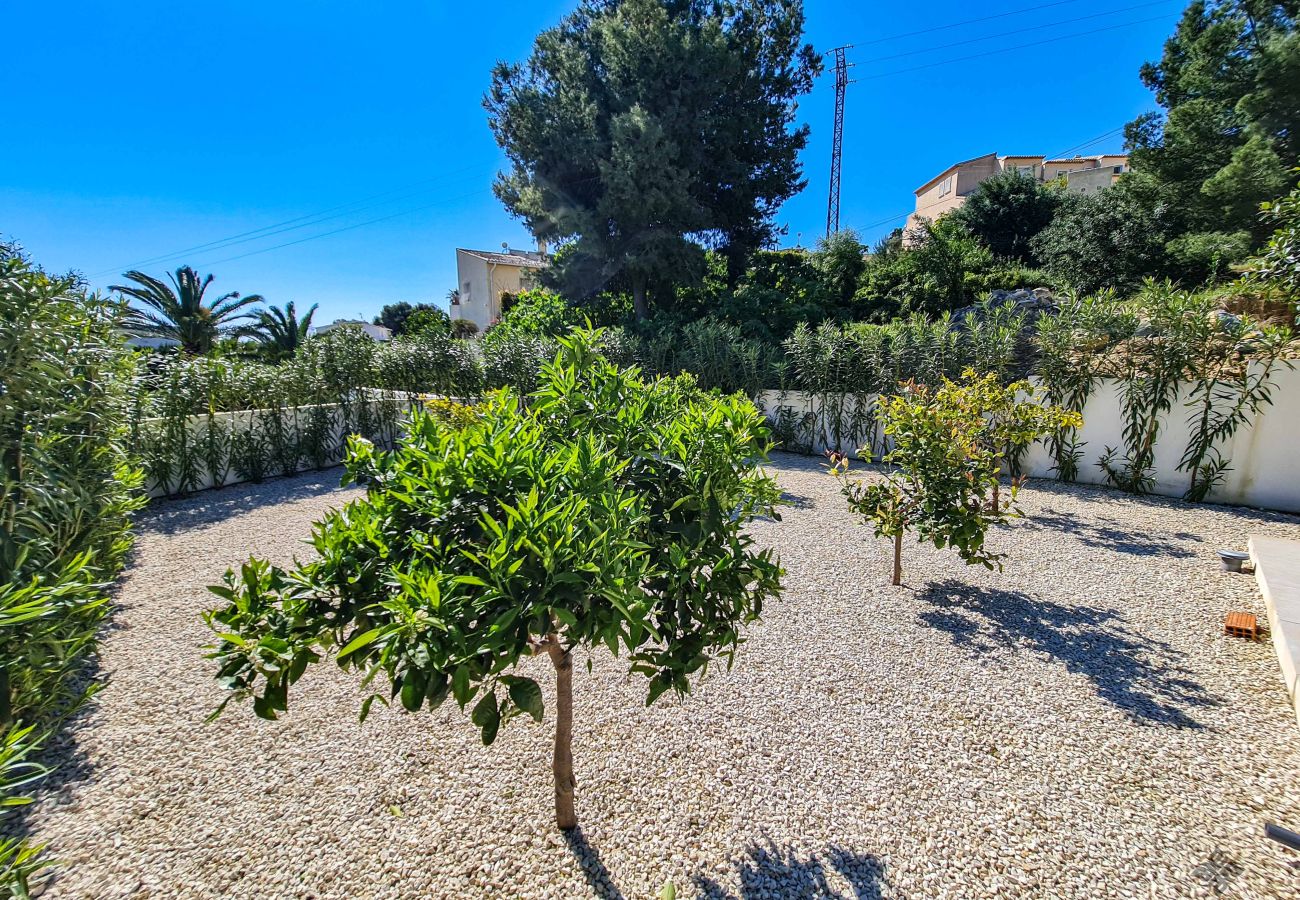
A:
[950,188]
[482,276]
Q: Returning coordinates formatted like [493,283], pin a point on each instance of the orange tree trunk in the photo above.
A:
[898,558]
[562,763]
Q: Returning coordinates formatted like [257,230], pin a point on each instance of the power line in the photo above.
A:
[313,237]
[304,221]
[887,221]
[1054,40]
[995,36]
[405,212]
[1014,12]
[1088,143]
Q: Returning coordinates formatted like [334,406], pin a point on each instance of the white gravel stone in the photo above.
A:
[1074,726]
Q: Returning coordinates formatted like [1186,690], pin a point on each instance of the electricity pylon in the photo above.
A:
[837,140]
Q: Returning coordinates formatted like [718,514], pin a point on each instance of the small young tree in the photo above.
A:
[600,509]
[948,449]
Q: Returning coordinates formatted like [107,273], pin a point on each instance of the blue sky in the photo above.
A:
[139,130]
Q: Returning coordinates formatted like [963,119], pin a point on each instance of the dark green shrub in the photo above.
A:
[1109,240]
[716,353]
[426,320]
[538,312]
[69,489]
[1277,268]
[513,358]
[430,363]
[1006,212]
[929,273]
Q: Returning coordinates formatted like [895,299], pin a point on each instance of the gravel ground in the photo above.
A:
[1074,726]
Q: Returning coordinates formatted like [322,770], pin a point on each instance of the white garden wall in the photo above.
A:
[296,419]
[1264,455]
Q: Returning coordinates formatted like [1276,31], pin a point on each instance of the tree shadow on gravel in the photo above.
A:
[1105,494]
[1108,534]
[178,514]
[593,868]
[1136,673]
[772,871]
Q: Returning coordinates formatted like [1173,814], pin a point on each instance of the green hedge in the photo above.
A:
[67,490]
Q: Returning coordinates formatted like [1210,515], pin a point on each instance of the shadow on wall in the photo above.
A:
[1133,672]
[1107,534]
[764,871]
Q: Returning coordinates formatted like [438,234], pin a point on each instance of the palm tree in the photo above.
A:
[281,331]
[181,314]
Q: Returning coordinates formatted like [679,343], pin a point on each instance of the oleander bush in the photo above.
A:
[1167,348]
[67,490]
[1158,344]
[716,353]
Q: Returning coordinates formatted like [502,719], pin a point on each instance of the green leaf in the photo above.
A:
[526,694]
[264,708]
[361,640]
[565,616]
[413,684]
[487,716]
[437,690]
[658,685]
[368,702]
[460,688]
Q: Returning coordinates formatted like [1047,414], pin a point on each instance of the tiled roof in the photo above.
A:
[531,261]
[1093,158]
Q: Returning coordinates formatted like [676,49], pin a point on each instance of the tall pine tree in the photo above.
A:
[640,132]
[1229,133]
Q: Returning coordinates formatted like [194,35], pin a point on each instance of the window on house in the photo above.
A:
[945,186]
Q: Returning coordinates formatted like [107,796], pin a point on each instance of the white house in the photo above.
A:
[148,341]
[376,332]
[482,276]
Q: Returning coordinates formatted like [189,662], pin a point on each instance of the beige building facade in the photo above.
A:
[482,276]
[950,188]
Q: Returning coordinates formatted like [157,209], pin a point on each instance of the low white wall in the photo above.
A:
[295,418]
[1264,454]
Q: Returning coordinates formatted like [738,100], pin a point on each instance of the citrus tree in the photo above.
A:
[948,448]
[601,509]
